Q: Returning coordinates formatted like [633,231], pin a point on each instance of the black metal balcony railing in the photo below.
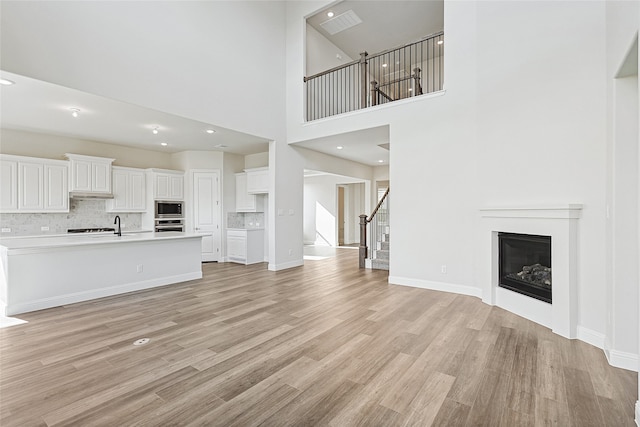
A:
[411,70]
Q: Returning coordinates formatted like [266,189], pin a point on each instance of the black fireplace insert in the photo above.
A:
[525,264]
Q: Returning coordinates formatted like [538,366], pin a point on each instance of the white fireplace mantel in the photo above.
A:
[558,221]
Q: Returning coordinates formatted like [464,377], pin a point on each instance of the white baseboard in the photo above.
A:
[436,286]
[590,337]
[622,359]
[57,301]
[285,265]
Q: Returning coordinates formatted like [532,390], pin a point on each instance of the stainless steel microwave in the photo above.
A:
[168,209]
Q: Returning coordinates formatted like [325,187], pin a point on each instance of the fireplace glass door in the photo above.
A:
[525,264]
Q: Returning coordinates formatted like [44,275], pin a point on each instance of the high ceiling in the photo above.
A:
[385,24]
[38,106]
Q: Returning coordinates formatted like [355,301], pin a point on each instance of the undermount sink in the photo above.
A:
[113,236]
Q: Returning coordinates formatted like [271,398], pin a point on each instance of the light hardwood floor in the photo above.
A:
[323,344]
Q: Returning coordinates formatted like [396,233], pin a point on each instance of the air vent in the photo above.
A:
[341,22]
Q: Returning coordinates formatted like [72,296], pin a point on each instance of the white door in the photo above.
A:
[206,212]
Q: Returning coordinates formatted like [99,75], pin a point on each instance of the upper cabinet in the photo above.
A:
[33,185]
[129,190]
[245,202]
[167,184]
[89,174]
[8,184]
[257,180]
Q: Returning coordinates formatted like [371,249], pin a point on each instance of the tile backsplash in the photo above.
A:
[245,220]
[83,213]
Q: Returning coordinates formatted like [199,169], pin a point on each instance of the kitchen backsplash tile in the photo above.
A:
[85,213]
[245,220]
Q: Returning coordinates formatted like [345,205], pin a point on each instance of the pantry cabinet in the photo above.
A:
[129,190]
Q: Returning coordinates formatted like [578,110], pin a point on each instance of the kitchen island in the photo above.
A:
[50,271]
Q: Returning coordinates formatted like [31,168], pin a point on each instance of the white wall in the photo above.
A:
[322,54]
[533,101]
[184,58]
[623,186]
[321,209]
[257,160]
[46,146]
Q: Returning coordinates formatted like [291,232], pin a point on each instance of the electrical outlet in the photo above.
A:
[6,230]
[290,252]
[123,225]
[44,228]
[139,268]
[443,269]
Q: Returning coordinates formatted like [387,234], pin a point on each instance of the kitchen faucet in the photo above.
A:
[117,221]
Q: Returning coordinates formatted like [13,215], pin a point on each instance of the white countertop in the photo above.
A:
[33,242]
[245,229]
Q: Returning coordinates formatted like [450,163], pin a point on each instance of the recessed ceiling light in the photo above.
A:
[220,146]
[410,90]
[155,130]
[74,112]
[440,41]
[6,82]
[385,65]
[211,131]
[330,14]
[380,161]
[164,144]
[339,147]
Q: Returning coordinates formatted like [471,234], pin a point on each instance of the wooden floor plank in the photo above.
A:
[322,344]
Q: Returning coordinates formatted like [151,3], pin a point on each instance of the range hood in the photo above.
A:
[89,195]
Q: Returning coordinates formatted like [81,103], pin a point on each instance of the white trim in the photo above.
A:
[3,308]
[560,221]
[638,412]
[530,308]
[565,211]
[99,293]
[367,110]
[436,286]
[622,359]
[285,265]
[589,336]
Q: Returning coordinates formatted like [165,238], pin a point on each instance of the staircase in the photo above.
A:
[374,250]
[380,258]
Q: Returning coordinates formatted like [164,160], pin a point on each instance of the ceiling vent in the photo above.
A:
[341,22]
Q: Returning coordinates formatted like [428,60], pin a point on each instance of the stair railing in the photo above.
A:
[406,71]
[380,217]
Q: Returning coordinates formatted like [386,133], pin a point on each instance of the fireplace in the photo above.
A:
[525,264]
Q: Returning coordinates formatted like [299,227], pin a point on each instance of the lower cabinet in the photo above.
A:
[245,246]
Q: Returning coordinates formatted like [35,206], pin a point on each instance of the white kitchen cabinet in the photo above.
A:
[56,187]
[245,246]
[89,174]
[34,185]
[257,181]
[167,184]
[245,202]
[8,185]
[30,186]
[129,190]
